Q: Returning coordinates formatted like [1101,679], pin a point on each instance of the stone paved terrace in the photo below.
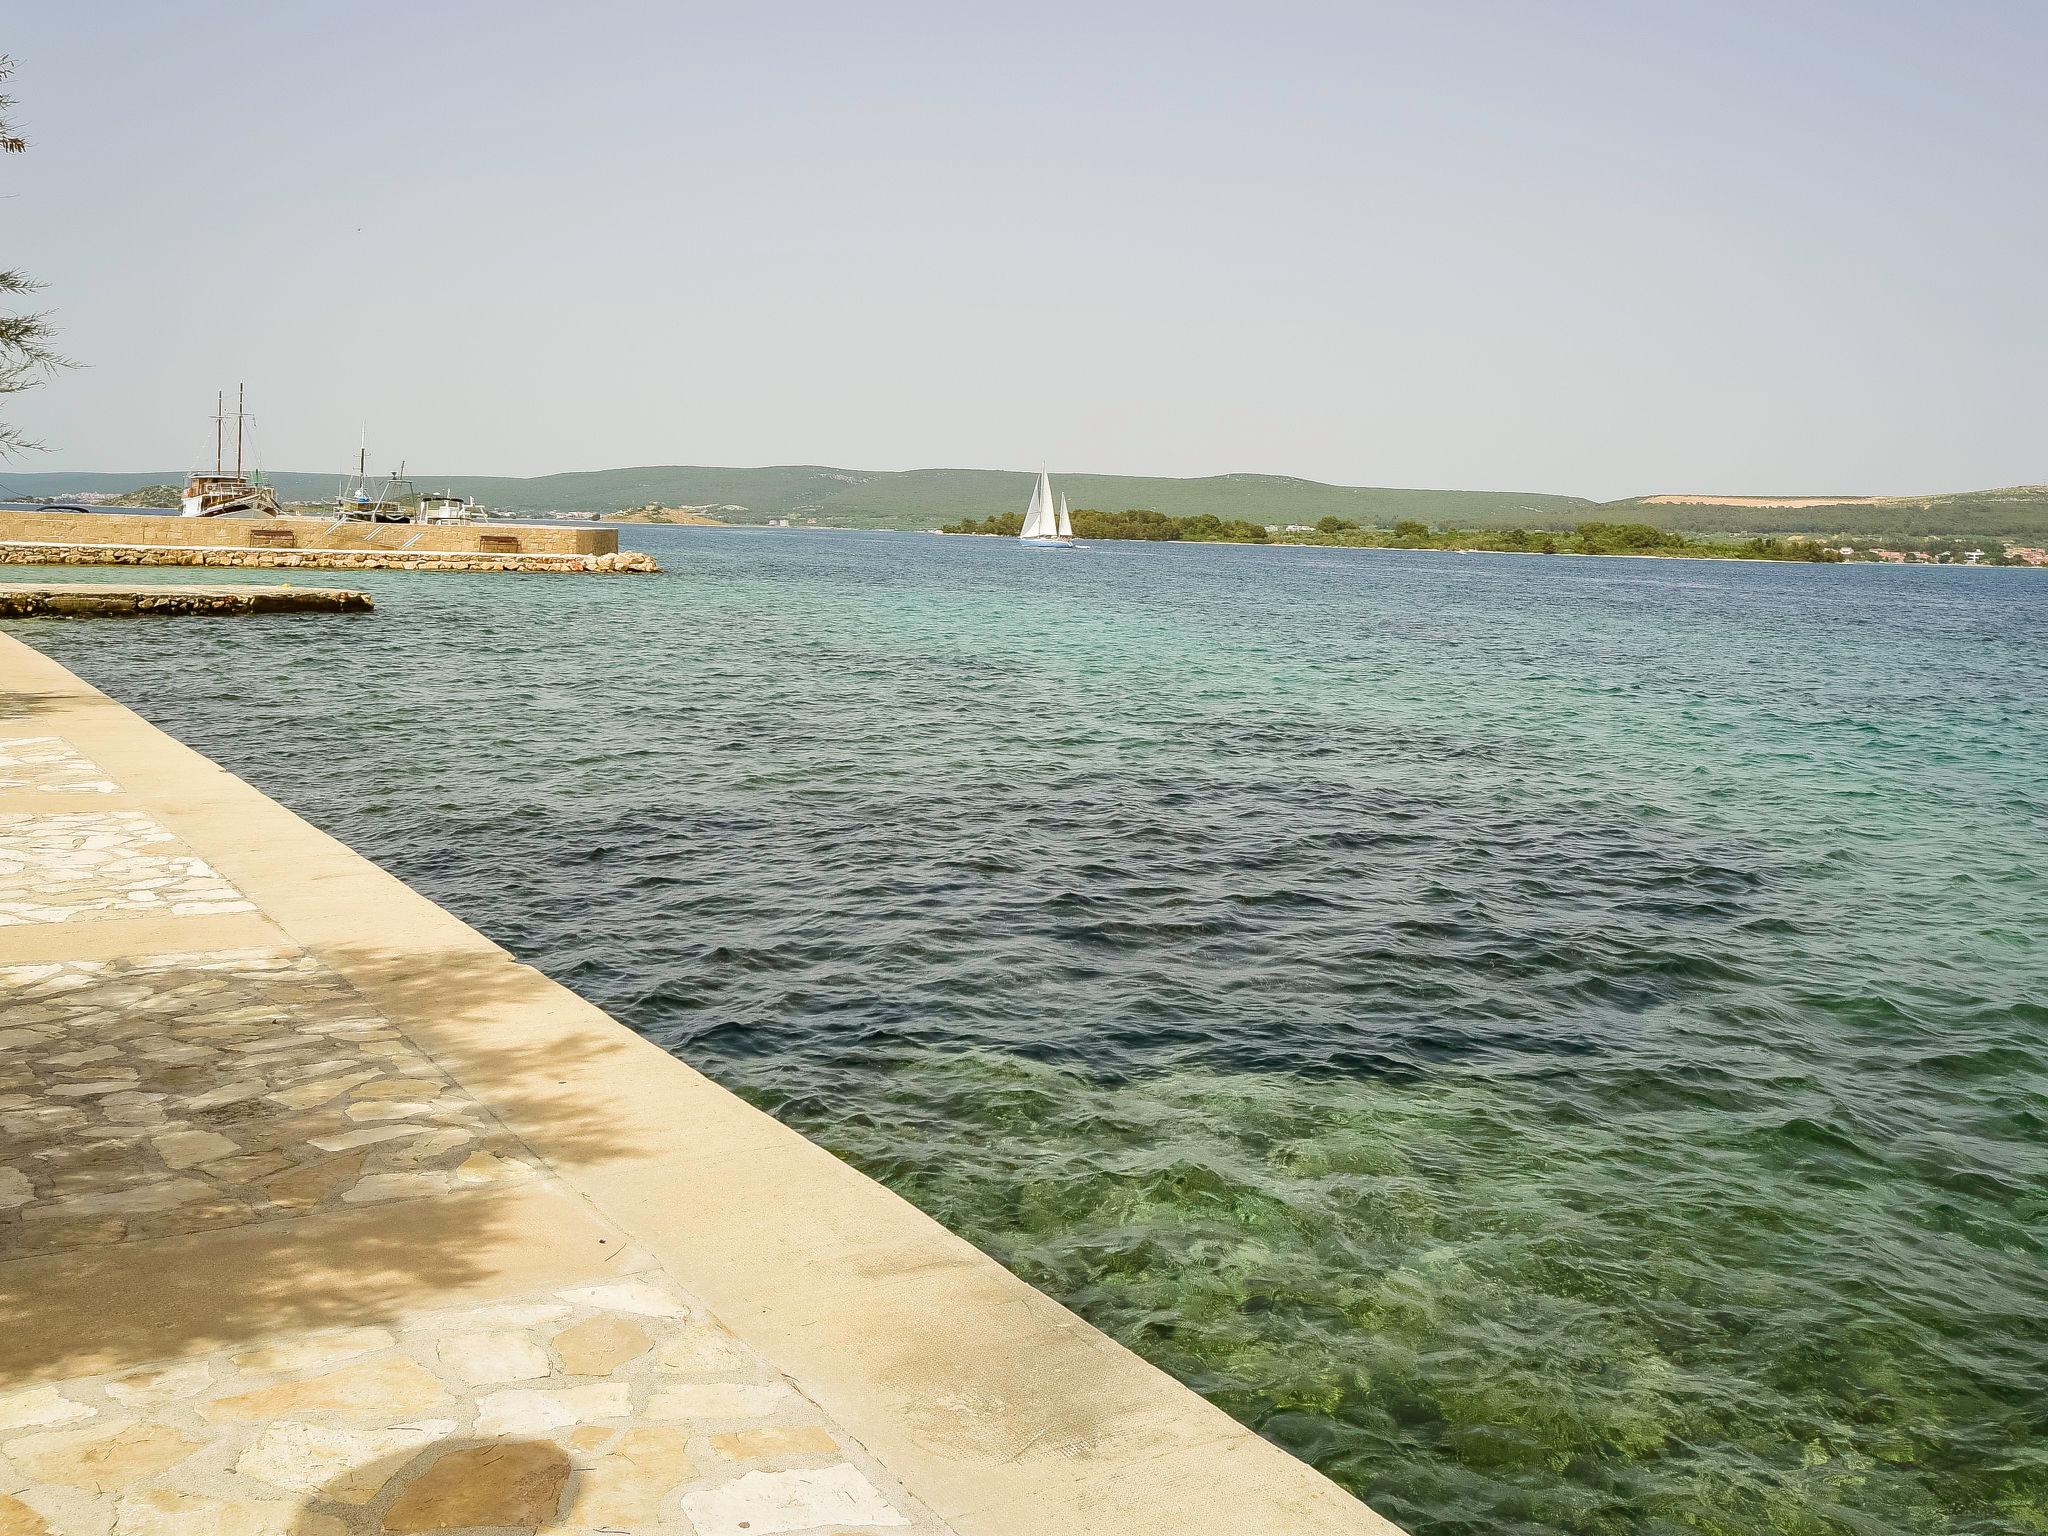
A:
[320,1214]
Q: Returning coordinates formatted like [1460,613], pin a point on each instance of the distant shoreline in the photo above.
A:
[1593,540]
[926,498]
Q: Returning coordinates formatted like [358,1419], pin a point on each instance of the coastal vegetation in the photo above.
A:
[1136,523]
[1585,539]
[1590,538]
[154,496]
[654,512]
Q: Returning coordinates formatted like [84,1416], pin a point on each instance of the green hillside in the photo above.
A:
[918,498]
[2016,512]
[928,498]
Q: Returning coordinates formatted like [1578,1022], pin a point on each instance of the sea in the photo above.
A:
[1560,1044]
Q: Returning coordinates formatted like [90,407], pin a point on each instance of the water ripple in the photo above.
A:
[1560,1045]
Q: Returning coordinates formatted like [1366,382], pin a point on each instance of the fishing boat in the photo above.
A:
[449,507]
[1046,523]
[364,498]
[225,492]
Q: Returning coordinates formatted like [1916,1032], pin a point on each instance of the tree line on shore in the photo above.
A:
[1137,523]
[1585,539]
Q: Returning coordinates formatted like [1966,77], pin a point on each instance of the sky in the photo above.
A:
[1592,248]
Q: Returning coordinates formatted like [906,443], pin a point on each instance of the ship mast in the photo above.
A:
[240,394]
[220,413]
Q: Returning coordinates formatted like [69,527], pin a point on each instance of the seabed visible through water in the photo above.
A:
[1558,1045]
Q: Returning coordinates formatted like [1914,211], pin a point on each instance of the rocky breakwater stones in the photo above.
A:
[630,561]
[93,600]
[637,561]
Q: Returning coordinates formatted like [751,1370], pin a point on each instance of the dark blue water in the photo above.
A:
[1560,1044]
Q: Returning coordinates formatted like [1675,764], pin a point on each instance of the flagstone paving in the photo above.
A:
[49,764]
[70,866]
[613,1406]
[163,1095]
[174,1093]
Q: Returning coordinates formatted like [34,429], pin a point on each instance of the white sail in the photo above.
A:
[1034,516]
[1040,520]
[1066,523]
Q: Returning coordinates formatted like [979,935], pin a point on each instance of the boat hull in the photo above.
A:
[1046,543]
[256,500]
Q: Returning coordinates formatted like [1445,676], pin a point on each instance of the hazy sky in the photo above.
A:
[1592,248]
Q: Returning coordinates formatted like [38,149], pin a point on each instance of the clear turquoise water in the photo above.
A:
[1561,1045]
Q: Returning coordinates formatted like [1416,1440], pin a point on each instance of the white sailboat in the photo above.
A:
[1046,525]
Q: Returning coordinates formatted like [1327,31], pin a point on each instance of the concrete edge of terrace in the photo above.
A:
[1003,1412]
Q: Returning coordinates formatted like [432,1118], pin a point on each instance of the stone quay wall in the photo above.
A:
[96,528]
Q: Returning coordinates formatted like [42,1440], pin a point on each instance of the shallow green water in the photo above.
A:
[1561,1045]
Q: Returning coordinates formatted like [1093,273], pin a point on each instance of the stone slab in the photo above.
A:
[107,600]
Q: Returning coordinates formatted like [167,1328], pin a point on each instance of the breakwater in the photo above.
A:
[82,599]
[622,561]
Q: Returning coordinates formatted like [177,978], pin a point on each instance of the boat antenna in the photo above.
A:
[241,399]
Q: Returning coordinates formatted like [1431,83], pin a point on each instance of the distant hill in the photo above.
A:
[2015,512]
[927,498]
[918,498]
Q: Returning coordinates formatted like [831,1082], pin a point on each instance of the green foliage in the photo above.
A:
[158,496]
[2018,512]
[1625,539]
[11,142]
[1790,549]
[1586,539]
[1137,523]
[26,356]
[1009,525]
[1336,525]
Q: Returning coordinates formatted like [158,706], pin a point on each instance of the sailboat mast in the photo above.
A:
[241,398]
[220,411]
